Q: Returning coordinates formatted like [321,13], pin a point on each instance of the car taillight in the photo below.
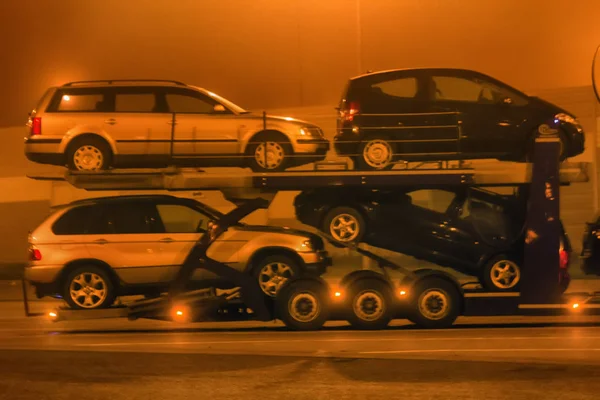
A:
[36,126]
[35,254]
[563,259]
[352,110]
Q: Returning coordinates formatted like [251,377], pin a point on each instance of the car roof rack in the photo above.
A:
[111,81]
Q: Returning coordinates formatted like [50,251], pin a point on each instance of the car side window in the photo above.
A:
[178,218]
[79,101]
[189,103]
[126,218]
[435,200]
[472,90]
[135,102]
[75,221]
[405,88]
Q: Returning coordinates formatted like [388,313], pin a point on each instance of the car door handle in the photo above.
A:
[167,240]
[101,241]
[110,121]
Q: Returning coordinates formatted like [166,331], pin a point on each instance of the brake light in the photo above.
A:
[35,254]
[36,126]
[563,259]
[352,110]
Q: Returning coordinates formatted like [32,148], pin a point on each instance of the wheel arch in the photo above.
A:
[263,133]
[355,276]
[73,265]
[269,251]
[69,140]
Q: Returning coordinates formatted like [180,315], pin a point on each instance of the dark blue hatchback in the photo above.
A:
[443,114]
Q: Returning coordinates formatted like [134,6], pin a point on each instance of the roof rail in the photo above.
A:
[111,81]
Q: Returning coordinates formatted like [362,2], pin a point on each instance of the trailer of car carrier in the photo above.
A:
[365,298]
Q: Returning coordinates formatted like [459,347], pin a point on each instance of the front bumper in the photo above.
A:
[346,145]
[316,263]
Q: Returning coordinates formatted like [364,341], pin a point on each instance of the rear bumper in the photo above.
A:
[346,145]
[42,274]
[44,151]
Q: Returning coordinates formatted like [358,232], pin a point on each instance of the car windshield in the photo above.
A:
[227,103]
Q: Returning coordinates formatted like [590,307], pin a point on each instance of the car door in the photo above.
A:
[140,126]
[421,216]
[123,235]
[481,224]
[398,108]
[183,226]
[204,128]
[489,125]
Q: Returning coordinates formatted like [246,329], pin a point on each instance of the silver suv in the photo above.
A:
[92,251]
[95,125]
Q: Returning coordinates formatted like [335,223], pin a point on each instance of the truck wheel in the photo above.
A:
[303,305]
[501,274]
[89,288]
[371,304]
[345,224]
[435,304]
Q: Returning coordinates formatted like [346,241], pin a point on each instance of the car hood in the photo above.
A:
[550,106]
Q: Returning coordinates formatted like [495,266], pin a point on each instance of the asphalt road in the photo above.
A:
[492,358]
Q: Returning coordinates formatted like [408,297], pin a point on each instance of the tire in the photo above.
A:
[370,303]
[277,145]
[90,153]
[89,301]
[303,305]
[279,268]
[434,304]
[353,219]
[371,146]
[491,275]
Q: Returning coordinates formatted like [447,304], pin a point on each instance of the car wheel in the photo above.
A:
[278,152]
[89,288]
[344,224]
[273,272]
[89,154]
[370,304]
[303,305]
[375,154]
[501,274]
[435,304]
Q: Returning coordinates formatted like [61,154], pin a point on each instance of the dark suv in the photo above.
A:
[474,231]
[443,114]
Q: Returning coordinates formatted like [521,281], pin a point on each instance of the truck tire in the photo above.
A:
[434,304]
[370,304]
[303,305]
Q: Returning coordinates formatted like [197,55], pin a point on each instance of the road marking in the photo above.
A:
[341,340]
[506,350]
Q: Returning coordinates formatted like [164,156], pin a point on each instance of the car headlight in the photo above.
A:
[310,132]
[566,118]
[307,246]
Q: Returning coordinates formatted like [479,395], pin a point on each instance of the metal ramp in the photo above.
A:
[248,183]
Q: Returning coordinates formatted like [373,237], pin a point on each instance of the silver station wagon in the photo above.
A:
[97,125]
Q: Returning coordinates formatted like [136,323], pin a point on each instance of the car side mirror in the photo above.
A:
[219,108]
